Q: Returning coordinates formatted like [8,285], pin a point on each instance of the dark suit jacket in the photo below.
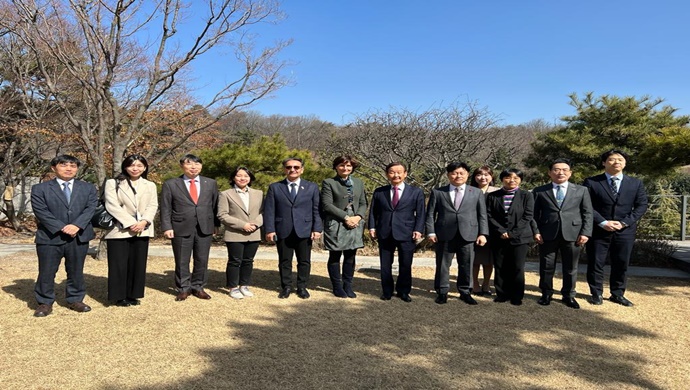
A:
[443,220]
[516,221]
[572,219]
[179,213]
[400,222]
[282,215]
[53,213]
[628,207]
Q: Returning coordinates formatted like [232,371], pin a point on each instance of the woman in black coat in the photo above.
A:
[510,211]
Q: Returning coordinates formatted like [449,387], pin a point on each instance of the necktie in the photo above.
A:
[193,192]
[458,198]
[559,195]
[614,186]
[293,191]
[67,191]
[396,196]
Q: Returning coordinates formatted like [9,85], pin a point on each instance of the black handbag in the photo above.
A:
[101,217]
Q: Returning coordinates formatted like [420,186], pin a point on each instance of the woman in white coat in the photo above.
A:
[132,201]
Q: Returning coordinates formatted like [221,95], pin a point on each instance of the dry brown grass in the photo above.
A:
[325,342]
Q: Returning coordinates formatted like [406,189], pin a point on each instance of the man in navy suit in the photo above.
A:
[396,220]
[562,223]
[63,208]
[189,209]
[455,221]
[619,201]
[291,218]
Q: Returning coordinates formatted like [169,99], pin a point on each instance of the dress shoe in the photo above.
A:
[487,293]
[478,292]
[285,293]
[545,300]
[621,300]
[182,295]
[43,310]
[385,297]
[516,302]
[123,303]
[571,302]
[405,297]
[303,293]
[201,294]
[339,292]
[79,307]
[500,299]
[349,292]
[467,298]
[441,299]
[596,300]
[133,301]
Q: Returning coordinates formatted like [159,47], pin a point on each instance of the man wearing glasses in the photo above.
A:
[291,219]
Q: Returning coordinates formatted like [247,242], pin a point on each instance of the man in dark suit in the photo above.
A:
[396,220]
[63,208]
[291,218]
[619,201]
[562,223]
[189,205]
[455,221]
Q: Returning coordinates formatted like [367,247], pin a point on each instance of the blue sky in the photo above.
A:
[519,59]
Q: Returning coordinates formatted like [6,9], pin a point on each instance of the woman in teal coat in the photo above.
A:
[343,206]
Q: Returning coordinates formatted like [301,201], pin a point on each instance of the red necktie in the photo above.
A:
[193,192]
[396,196]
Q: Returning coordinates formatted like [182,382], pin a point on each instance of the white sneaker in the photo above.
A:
[245,291]
[236,294]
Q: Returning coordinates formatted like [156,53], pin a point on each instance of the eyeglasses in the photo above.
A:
[291,167]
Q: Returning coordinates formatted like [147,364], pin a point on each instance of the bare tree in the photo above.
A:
[426,141]
[114,68]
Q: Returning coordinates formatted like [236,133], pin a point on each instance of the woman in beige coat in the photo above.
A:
[132,201]
[240,210]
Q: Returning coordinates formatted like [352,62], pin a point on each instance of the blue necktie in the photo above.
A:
[67,191]
[614,187]
[293,191]
[559,195]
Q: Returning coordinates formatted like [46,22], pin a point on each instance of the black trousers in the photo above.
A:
[287,248]
[548,254]
[344,279]
[387,249]
[509,262]
[127,267]
[49,259]
[198,247]
[618,247]
[238,271]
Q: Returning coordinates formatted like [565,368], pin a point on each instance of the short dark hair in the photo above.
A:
[190,158]
[394,164]
[64,158]
[344,159]
[241,168]
[560,161]
[507,172]
[482,169]
[129,160]
[605,156]
[455,165]
[301,162]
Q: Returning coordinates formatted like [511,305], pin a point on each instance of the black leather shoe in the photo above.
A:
[620,300]
[516,302]
[385,297]
[133,301]
[350,293]
[405,297]
[467,298]
[596,300]
[303,293]
[500,299]
[441,299]
[338,292]
[545,300]
[285,293]
[571,302]
[123,303]
[43,310]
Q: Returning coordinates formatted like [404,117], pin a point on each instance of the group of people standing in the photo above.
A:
[482,226]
